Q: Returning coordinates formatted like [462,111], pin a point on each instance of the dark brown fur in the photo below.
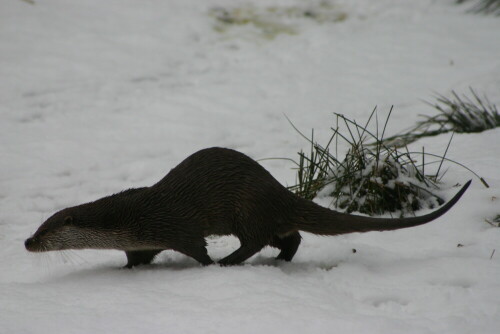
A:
[215,191]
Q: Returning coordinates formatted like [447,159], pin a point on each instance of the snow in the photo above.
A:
[100,96]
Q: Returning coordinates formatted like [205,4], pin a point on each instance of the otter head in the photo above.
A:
[92,225]
[53,234]
[61,231]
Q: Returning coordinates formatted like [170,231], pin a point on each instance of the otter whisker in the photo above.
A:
[71,256]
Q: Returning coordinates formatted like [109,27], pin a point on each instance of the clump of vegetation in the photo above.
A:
[484,6]
[274,20]
[494,221]
[456,114]
[372,179]
[464,114]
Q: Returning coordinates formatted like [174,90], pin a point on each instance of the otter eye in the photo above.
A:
[68,220]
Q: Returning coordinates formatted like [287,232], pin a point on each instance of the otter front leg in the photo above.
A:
[241,254]
[136,258]
[199,254]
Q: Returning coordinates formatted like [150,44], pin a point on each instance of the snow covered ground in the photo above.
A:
[100,96]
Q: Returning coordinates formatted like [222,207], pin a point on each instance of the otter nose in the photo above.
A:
[29,242]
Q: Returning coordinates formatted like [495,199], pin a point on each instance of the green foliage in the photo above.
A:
[371,179]
[464,114]
[457,114]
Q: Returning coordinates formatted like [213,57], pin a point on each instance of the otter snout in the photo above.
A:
[35,244]
[30,243]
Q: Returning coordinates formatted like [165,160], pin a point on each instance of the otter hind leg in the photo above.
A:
[136,258]
[288,245]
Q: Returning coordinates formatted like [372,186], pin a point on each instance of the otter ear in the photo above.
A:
[68,220]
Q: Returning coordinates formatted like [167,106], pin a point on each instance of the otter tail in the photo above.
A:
[319,220]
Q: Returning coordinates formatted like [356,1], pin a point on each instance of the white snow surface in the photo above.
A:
[101,96]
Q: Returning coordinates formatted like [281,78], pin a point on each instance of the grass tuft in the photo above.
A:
[484,6]
[461,114]
[372,179]
[464,114]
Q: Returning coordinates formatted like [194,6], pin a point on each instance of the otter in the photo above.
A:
[215,191]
